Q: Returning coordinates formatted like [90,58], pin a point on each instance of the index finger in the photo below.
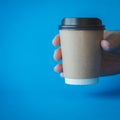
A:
[56,40]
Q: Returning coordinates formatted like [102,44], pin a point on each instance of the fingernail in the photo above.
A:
[105,45]
[55,68]
[61,74]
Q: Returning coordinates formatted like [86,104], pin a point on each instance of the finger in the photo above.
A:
[58,54]
[114,40]
[58,68]
[56,40]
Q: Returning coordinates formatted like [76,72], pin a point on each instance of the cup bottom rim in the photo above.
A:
[81,81]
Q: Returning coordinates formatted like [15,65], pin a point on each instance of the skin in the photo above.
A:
[110,55]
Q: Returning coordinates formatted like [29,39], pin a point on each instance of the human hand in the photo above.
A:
[110,54]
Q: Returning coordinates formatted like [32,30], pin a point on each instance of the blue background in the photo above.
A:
[29,88]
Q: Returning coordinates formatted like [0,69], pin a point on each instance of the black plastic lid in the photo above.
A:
[82,24]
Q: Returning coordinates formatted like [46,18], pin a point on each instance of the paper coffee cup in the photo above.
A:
[81,52]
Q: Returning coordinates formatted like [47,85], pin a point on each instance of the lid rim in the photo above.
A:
[82,23]
[83,27]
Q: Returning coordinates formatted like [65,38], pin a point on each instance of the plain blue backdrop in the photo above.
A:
[29,88]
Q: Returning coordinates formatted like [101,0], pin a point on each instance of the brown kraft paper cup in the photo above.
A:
[81,52]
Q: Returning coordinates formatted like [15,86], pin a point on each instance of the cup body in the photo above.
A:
[81,55]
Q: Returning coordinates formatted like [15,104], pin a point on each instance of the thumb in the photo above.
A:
[111,42]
